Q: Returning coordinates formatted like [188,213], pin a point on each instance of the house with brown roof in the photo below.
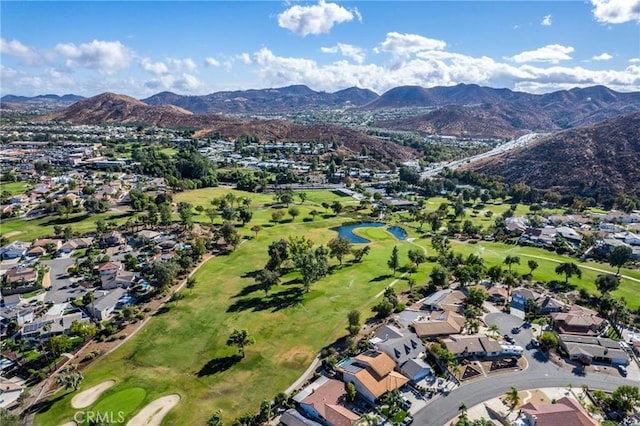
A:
[372,373]
[405,348]
[472,346]
[497,294]
[445,300]
[578,320]
[20,274]
[109,268]
[566,412]
[548,304]
[438,324]
[323,401]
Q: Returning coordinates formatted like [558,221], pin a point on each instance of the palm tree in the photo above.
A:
[511,260]
[216,419]
[240,339]
[568,269]
[494,329]
[393,400]
[368,419]
[533,265]
[512,397]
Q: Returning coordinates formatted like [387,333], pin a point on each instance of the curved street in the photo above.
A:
[540,373]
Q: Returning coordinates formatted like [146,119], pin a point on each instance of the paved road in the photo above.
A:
[540,374]
[61,286]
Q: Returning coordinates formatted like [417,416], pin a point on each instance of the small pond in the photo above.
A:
[346,231]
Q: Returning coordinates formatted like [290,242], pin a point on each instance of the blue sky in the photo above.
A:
[199,47]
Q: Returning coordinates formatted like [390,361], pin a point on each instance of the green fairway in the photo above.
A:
[121,403]
[183,350]
[14,188]
[27,230]
[495,253]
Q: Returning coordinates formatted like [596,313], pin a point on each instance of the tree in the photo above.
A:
[512,397]
[394,260]
[494,329]
[255,229]
[393,400]
[476,297]
[277,215]
[68,378]
[313,213]
[162,274]
[83,329]
[302,196]
[59,344]
[548,340]
[7,418]
[245,215]
[240,339]
[619,256]
[294,212]
[216,419]
[265,412]
[336,206]
[267,278]
[211,214]
[339,247]
[607,283]
[360,253]
[353,318]
[533,265]
[67,233]
[165,213]
[511,260]
[568,269]
[278,253]
[186,214]
[495,273]
[439,276]
[350,389]
[625,398]
[417,256]
[440,244]
[191,283]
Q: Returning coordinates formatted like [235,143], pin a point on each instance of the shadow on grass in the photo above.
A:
[218,365]
[248,290]
[251,274]
[162,310]
[380,278]
[44,406]
[274,302]
[293,281]
[64,221]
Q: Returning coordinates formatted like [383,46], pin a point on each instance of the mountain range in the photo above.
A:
[599,161]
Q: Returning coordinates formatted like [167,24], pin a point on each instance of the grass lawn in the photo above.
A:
[183,351]
[123,402]
[494,253]
[27,230]
[15,188]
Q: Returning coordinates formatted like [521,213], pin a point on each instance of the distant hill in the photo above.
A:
[598,160]
[43,103]
[471,110]
[120,109]
[265,100]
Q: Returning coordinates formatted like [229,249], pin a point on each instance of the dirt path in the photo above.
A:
[153,413]
[91,395]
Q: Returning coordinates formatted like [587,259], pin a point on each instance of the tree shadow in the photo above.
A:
[162,310]
[248,290]
[274,302]
[218,365]
[44,406]
[293,281]
[540,356]
[380,278]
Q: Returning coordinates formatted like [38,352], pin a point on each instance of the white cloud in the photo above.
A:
[602,57]
[546,21]
[156,68]
[316,19]
[211,62]
[406,44]
[552,53]
[182,64]
[245,58]
[26,54]
[634,60]
[107,57]
[186,83]
[616,11]
[348,50]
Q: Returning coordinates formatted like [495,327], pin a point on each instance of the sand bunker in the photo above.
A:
[70,424]
[154,412]
[91,395]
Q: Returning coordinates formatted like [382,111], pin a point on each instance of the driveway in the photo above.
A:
[541,373]
[61,286]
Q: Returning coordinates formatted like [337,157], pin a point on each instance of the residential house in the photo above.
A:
[520,296]
[292,417]
[109,268]
[119,278]
[497,294]
[628,237]
[566,412]
[578,320]
[36,252]
[445,300]
[323,401]
[438,324]
[10,300]
[588,349]
[21,315]
[9,393]
[516,225]
[76,243]
[14,250]
[54,323]
[571,236]
[20,274]
[147,235]
[55,243]
[547,304]
[105,303]
[405,348]
[113,238]
[372,373]
[472,346]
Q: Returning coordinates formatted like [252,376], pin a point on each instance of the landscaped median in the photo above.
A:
[183,350]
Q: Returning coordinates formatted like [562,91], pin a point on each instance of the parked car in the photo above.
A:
[406,404]
[508,339]
[407,420]
[535,343]
[623,370]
